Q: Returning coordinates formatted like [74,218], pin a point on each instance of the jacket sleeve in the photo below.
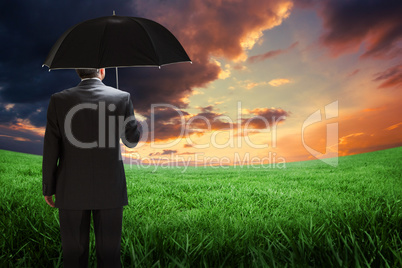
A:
[131,133]
[51,150]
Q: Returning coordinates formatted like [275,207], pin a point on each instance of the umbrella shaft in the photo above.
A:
[117,79]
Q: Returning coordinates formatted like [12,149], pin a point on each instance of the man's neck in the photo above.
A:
[91,78]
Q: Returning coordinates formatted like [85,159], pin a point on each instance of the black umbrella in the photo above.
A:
[115,41]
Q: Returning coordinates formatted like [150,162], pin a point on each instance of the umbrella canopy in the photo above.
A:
[115,41]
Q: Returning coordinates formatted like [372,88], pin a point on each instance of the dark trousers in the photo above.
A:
[74,230]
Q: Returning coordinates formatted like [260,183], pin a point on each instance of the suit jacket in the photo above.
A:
[82,161]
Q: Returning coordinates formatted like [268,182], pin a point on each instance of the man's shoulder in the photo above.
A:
[107,90]
[61,94]
[116,91]
[112,93]
[64,92]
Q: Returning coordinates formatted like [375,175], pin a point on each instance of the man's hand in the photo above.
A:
[49,200]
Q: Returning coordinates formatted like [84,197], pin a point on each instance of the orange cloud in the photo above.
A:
[279,82]
[360,133]
[248,84]
[346,139]
[26,126]
[219,28]
[9,106]
[223,74]
[394,126]
[374,109]
[15,138]
[367,130]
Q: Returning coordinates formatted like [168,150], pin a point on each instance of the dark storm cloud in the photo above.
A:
[169,123]
[166,114]
[264,117]
[207,109]
[28,30]
[168,85]
[31,28]
[7,116]
[377,23]
[35,112]
[165,123]
[208,119]
[28,146]
[21,141]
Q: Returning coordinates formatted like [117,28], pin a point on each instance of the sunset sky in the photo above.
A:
[272,61]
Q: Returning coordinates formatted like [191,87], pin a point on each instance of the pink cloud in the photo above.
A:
[392,77]
[271,54]
[205,29]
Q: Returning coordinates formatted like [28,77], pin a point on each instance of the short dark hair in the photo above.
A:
[87,73]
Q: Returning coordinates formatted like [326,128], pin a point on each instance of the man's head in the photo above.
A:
[91,73]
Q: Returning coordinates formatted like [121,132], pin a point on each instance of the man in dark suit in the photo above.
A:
[83,168]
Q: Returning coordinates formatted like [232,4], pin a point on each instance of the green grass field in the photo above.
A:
[306,215]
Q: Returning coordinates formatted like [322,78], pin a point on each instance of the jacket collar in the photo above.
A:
[91,82]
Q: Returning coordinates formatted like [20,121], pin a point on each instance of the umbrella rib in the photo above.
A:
[150,39]
[100,46]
